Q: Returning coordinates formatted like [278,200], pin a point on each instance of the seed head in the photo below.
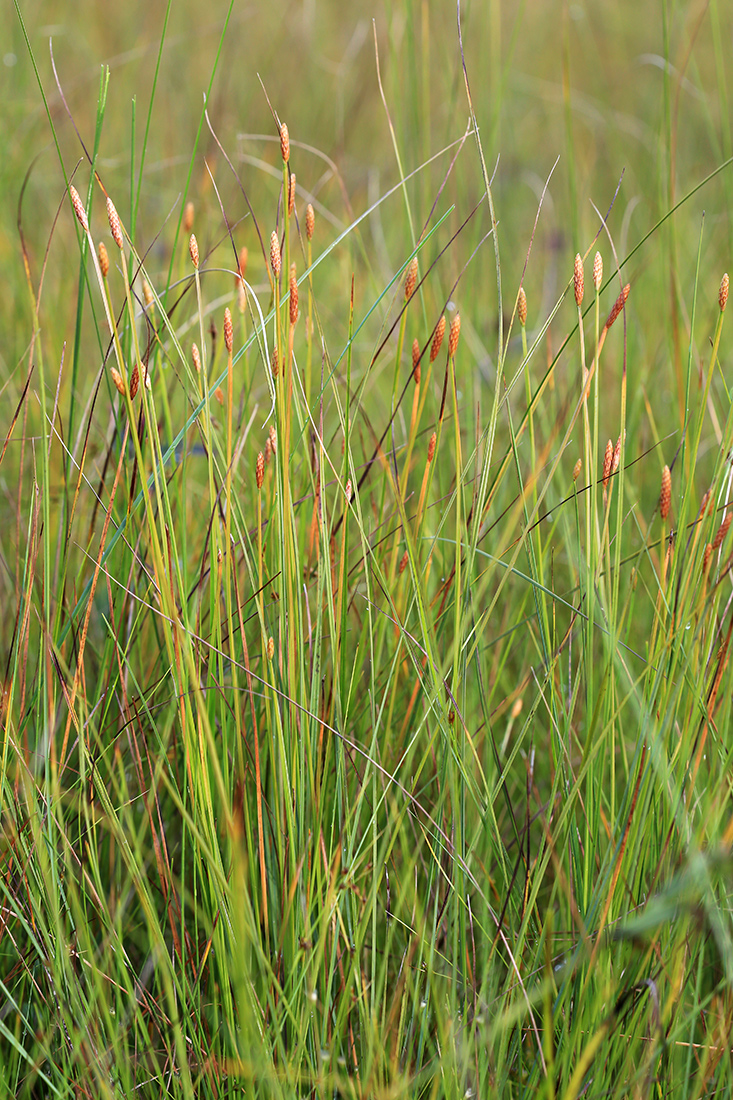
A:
[577,468]
[431,446]
[219,395]
[618,305]
[268,449]
[188,212]
[115,227]
[196,357]
[228,330]
[270,648]
[416,360]
[723,292]
[103,259]
[79,208]
[597,270]
[616,454]
[148,296]
[134,382]
[348,490]
[410,278]
[706,559]
[455,332]
[273,439]
[578,280]
[117,379]
[437,339]
[522,307]
[291,194]
[310,221]
[722,532]
[193,250]
[284,143]
[275,257]
[665,493]
[293,295]
[241,297]
[260,470]
[403,561]
[274,361]
[607,460]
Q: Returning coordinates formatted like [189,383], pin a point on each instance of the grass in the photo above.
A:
[365,731]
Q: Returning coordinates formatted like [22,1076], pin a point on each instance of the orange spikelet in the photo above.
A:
[274,361]
[607,460]
[260,470]
[117,379]
[665,493]
[310,221]
[241,297]
[268,450]
[103,259]
[706,559]
[293,295]
[722,532]
[147,293]
[134,382]
[410,278]
[437,339]
[616,455]
[618,305]
[193,250]
[723,292]
[228,330]
[270,648]
[219,395]
[291,194]
[403,561]
[79,208]
[522,307]
[196,356]
[431,446]
[273,439]
[275,257]
[348,490]
[416,360]
[453,335]
[577,468]
[284,143]
[578,280]
[115,226]
[597,270]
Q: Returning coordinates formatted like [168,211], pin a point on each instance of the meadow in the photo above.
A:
[366,457]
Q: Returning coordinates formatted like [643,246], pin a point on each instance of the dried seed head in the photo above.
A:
[219,395]
[455,332]
[348,490]
[410,278]
[115,226]
[416,360]
[148,295]
[607,460]
[260,469]
[437,339]
[722,532]
[291,194]
[665,493]
[431,446]
[723,292]
[274,361]
[79,208]
[273,439]
[196,357]
[522,307]
[228,331]
[597,270]
[616,455]
[403,561]
[268,449]
[706,558]
[310,221]
[270,648]
[193,250]
[618,305]
[578,280]
[275,257]
[134,382]
[293,295]
[188,212]
[103,259]
[577,468]
[117,379]
[284,143]
[241,297]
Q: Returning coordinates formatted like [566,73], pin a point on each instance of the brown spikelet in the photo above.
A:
[274,361]
[188,212]
[722,532]
[268,450]
[607,460]
[79,208]
[723,292]
[228,330]
[270,648]
[291,194]
[416,360]
[115,226]
[148,296]
[706,559]
[437,339]
[273,439]
[410,278]
[117,379]
[616,455]
[310,221]
[219,395]
[348,490]
[665,493]
[577,468]
[103,259]
[597,270]
[453,335]
[403,561]
[578,280]
[275,257]
[618,305]
[522,307]
[293,295]
[260,470]
[284,143]
[193,250]
[431,446]
[134,382]
[196,356]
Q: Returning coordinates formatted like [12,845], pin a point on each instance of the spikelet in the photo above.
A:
[348,491]
[275,257]
[522,307]
[134,382]
[403,561]
[431,446]
[115,226]
[270,648]
[453,335]
[437,339]
[219,395]
[188,212]
[291,194]
[293,295]
[665,493]
[117,379]
[193,250]
[310,221]
[148,296]
[722,532]
[616,455]
[103,259]
[284,143]
[706,559]
[597,271]
[723,292]
[578,280]
[228,331]
[410,278]
[607,460]
[268,450]
[273,439]
[274,361]
[195,355]
[79,208]
[260,470]
[416,361]
[577,468]
[618,305]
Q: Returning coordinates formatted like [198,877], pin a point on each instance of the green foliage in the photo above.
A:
[363,733]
